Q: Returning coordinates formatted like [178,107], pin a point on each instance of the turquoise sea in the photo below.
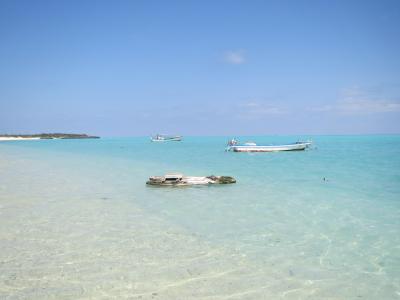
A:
[78,222]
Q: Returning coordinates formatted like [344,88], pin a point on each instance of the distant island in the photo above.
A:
[46,136]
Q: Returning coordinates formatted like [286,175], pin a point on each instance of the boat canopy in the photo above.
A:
[173,176]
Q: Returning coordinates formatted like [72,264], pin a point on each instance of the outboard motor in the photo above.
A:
[232,142]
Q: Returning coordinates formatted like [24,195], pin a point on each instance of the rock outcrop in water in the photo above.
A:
[180,180]
[222,179]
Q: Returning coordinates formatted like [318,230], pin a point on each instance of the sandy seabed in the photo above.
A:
[69,239]
[83,227]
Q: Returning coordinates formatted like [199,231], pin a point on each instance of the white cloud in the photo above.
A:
[368,106]
[324,108]
[357,101]
[250,104]
[235,57]
[255,109]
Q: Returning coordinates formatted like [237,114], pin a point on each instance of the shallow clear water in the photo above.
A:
[77,221]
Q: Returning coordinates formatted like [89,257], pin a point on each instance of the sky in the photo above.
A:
[135,68]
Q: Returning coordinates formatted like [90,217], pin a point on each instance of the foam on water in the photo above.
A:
[77,220]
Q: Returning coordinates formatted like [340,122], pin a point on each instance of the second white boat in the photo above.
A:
[253,147]
[166,138]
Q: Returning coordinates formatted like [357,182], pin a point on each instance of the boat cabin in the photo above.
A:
[173,177]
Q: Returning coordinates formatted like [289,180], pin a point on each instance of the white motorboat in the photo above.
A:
[166,138]
[253,147]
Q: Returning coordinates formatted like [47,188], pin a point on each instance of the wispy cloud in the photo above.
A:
[355,106]
[258,109]
[358,101]
[236,57]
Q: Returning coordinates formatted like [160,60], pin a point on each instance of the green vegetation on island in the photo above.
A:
[51,136]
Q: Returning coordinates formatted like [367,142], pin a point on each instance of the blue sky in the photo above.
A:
[124,68]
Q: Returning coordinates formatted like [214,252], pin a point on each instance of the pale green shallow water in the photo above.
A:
[78,222]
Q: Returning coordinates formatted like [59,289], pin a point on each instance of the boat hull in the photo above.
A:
[246,148]
[172,139]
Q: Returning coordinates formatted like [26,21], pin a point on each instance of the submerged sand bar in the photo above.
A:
[46,136]
[17,138]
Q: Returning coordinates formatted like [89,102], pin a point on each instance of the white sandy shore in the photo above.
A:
[6,138]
